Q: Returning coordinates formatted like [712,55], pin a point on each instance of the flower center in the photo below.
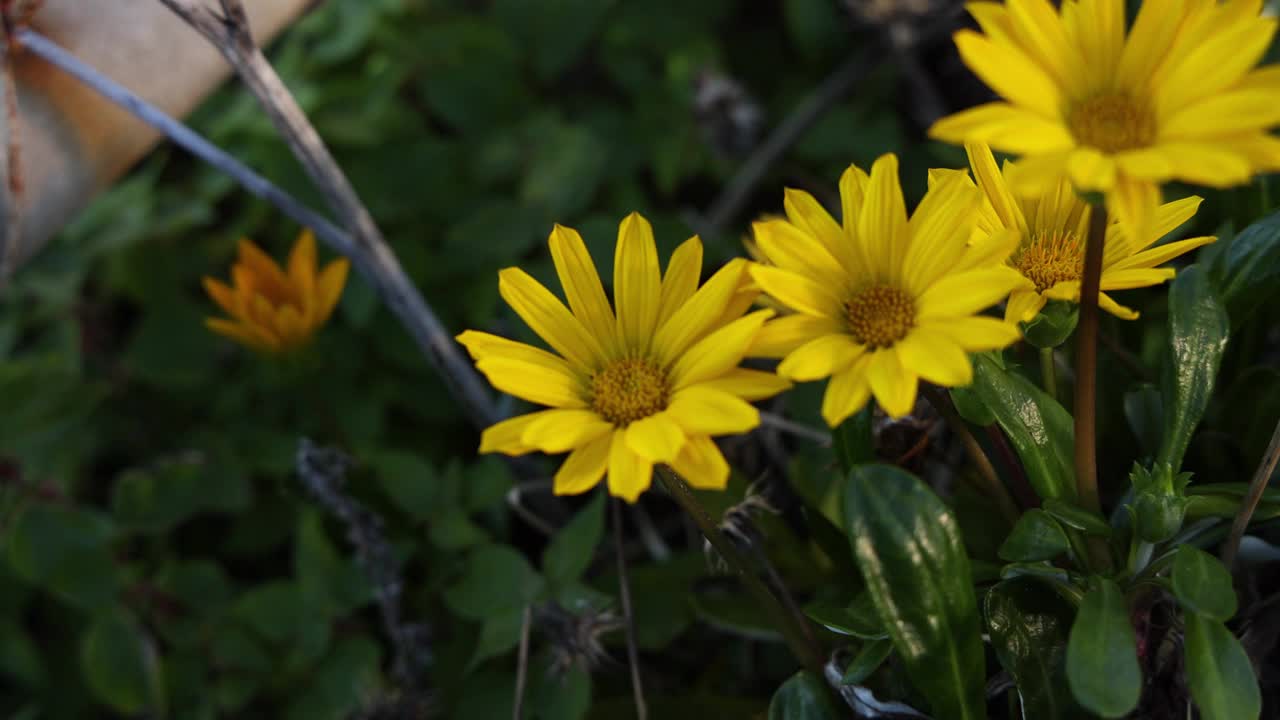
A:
[629,389]
[1112,122]
[1049,259]
[880,315]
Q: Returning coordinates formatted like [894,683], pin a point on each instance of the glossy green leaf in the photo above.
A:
[1198,330]
[1203,584]
[804,697]
[1219,673]
[857,619]
[914,563]
[1102,653]
[571,549]
[869,658]
[1039,428]
[1246,270]
[1074,516]
[1029,625]
[120,664]
[971,407]
[1036,536]
[1053,325]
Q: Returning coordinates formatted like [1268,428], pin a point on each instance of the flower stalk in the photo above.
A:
[1049,372]
[806,650]
[1086,390]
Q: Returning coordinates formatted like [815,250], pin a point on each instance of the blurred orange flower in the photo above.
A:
[276,309]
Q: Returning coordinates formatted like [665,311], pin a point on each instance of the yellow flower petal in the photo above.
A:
[302,264]
[544,384]
[657,438]
[1003,126]
[1223,114]
[584,467]
[718,352]
[992,250]
[893,384]
[992,183]
[780,336]
[558,430]
[246,334]
[1023,305]
[1161,253]
[799,251]
[482,345]
[549,318]
[222,295]
[821,357]
[748,384]
[637,282]
[702,465]
[1037,174]
[329,288]
[853,190]
[582,285]
[1217,63]
[797,291]
[1009,72]
[698,314]
[940,231]
[967,293]
[1106,303]
[267,274]
[847,392]
[1091,170]
[1133,203]
[882,226]
[681,279]
[935,357]
[977,333]
[506,437]
[705,410]
[808,215]
[1135,278]
[629,474]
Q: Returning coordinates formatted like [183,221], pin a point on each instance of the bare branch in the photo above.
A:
[1249,503]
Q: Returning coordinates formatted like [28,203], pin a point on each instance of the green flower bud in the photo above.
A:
[1159,503]
[1053,325]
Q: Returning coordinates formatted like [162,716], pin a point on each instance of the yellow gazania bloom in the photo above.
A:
[274,309]
[1051,230]
[649,384]
[1177,99]
[883,301]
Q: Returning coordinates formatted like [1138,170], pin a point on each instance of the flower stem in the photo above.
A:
[808,653]
[624,587]
[1085,409]
[1250,503]
[1049,372]
[991,484]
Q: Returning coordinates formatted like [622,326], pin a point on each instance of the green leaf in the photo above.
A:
[498,634]
[1219,672]
[334,584]
[570,551]
[1077,517]
[853,442]
[1102,653]
[1039,429]
[408,480]
[857,619]
[970,406]
[804,697]
[1198,330]
[1246,271]
[1052,326]
[1143,410]
[562,695]
[1203,584]
[1036,536]
[868,659]
[497,578]
[65,550]
[913,561]
[1029,623]
[120,664]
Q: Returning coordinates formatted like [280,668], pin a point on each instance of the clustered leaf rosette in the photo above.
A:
[1177,97]
[272,309]
[883,300]
[648,380]
[1052,228]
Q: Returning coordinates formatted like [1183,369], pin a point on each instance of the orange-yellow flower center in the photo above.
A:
[1112,122]
[1050,258]
[629,389]
[880,315]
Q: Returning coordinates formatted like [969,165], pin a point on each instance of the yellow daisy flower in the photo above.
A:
[649,384]
[274,309]
[1051,230]
[1178,98]
[883,301]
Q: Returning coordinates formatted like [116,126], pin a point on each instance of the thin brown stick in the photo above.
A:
[1085,409]
[229,32]
[991,485]
[11,183]
[1249,504]
[522,663]
[624,589]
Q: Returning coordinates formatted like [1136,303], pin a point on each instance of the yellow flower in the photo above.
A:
[1051,230]
[883,301]
[1177,99]
[648,385]
[272,309]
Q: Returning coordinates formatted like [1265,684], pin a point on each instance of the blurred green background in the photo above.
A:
[159,557]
